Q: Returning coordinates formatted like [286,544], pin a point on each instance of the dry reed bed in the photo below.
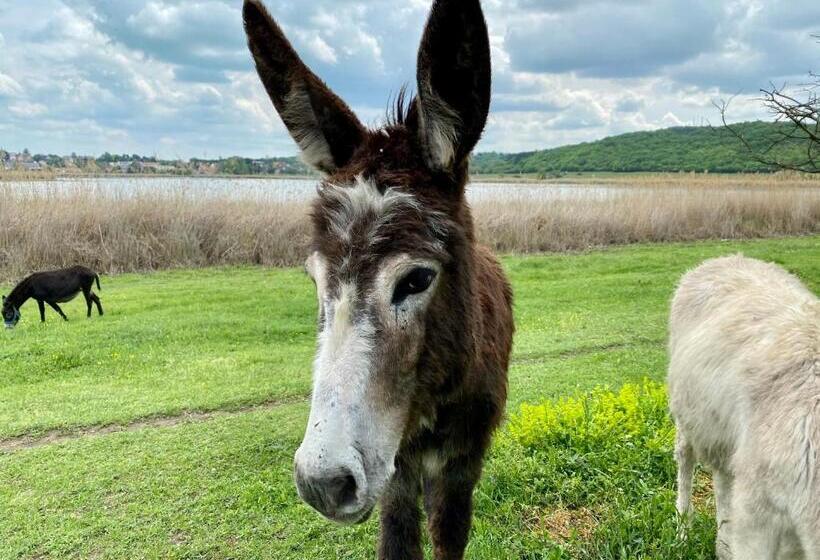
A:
[648,215]
[146,231]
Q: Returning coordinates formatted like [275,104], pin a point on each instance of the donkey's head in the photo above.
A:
[391,252]
[11,315]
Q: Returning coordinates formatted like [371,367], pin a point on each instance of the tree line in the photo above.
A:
[687,148]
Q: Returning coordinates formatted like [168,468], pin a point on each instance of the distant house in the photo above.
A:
[206,168]
[32,165]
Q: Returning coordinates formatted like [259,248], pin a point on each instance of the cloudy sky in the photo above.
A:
[174,78]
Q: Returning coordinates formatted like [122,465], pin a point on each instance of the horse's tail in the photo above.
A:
[97,278]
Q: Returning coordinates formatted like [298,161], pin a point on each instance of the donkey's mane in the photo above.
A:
[402,110]
[18,290]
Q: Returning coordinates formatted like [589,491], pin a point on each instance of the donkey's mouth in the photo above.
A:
[365,516]
[354,518]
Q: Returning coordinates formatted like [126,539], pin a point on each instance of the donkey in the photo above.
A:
[415,322]
[744,389]
[51,287]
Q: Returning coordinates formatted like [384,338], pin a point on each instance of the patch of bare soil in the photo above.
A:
[562,524]
[31,441]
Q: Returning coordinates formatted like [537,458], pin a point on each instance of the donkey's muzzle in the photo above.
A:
[334,494]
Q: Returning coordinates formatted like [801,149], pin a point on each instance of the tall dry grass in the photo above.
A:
[655,214]
[114,233]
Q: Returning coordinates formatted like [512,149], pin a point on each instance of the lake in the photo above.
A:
[293,189]
[290,189]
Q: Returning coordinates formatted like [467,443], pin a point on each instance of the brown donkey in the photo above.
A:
[415,322]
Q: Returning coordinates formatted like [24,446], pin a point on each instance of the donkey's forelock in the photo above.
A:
[375,220]
[349,204]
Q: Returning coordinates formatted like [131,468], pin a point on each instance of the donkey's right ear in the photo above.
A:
[323,126]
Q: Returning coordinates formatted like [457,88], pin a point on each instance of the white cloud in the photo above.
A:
[321,50]
[27,110]
[156,20]
[9,86]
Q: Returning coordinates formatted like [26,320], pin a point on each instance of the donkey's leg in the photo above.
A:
[42,308]
[756,526]
[87,296]
[400,537]
[685,457]
[96,300]
[56,308]
[448,498]
[723,482]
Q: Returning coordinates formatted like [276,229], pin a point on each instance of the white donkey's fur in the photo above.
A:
[744,387]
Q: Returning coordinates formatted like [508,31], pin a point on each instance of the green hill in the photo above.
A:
[685,148]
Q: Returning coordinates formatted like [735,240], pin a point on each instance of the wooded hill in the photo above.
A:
[684,148]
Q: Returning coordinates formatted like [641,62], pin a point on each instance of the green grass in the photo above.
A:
[168,342]
[221,339]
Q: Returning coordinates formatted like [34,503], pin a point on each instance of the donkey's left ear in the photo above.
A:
[323,126]
[453,82]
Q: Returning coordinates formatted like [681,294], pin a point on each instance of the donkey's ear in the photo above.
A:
[325,129]
[453,82]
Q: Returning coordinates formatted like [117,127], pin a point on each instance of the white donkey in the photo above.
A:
[744,388]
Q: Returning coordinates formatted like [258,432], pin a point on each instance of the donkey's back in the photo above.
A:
[63,284]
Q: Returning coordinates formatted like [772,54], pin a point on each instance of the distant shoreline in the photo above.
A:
[530,178]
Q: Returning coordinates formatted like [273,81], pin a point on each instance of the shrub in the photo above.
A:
[598,440]
[603,461]
[637,414]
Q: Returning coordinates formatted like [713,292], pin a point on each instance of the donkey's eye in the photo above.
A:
[415,282]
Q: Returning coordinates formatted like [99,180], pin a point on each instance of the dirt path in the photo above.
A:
[29,441]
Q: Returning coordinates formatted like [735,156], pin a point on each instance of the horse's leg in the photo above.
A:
[448,498]
[56,308]
[400,514]
[42,308]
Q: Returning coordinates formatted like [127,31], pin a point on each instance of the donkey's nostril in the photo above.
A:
[347,492]
[340,491]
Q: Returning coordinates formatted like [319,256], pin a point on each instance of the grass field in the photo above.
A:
[238,342]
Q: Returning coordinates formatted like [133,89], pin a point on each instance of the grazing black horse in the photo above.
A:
[51,287]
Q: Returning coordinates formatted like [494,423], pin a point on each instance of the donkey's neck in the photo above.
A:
[19,295]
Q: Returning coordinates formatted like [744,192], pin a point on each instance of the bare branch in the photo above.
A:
[795,143]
